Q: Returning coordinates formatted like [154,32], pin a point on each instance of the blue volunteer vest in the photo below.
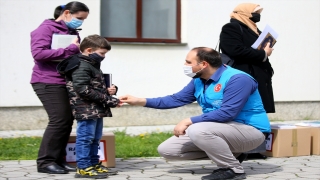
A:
[252,114]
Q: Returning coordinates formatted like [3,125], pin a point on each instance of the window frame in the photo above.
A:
[139,37]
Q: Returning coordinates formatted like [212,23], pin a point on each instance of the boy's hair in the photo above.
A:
[95,42]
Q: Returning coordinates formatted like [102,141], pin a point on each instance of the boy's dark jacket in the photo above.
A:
[89,98]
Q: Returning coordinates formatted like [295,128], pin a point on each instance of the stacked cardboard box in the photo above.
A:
[288,140]
[315,141]
[106,149]
[315,135]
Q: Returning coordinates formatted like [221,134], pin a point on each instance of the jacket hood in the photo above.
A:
[73,62]
[58,25]
[68,64]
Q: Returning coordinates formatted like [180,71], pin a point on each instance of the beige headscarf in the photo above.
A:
[243,12]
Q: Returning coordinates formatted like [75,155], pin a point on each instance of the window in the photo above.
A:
[154,21]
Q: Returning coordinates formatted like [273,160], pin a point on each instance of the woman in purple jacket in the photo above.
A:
[50,86]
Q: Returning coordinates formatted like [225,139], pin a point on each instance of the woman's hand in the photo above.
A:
[268,49]
[76,42]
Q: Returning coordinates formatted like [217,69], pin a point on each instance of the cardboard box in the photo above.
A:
[315,141]
[295,141]
[106,151]
[315,135]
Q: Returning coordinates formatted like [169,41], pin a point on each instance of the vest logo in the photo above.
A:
[217,88]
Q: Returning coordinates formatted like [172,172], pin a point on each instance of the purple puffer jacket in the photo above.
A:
[44,70]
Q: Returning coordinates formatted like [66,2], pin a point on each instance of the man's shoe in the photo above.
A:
[222,174]
[256,156]
[242,157]
[53,169]
[68,167]
[90,172]
[102,169]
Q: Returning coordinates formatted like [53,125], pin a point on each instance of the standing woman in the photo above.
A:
[236,39]
[50,86]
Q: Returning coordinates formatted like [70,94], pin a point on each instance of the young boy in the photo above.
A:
[90,101]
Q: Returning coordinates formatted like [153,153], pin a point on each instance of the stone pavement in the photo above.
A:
[304,167]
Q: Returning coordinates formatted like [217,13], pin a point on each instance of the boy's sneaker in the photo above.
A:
[221,174]
[90,172]
[102,169]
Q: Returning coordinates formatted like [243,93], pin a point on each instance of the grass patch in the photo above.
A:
[143,145]
[24,148]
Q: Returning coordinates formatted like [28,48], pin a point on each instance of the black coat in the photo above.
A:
[236,43]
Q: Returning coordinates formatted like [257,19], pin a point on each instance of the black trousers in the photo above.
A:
[55,100]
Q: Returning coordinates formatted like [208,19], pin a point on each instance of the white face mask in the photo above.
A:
[188,71]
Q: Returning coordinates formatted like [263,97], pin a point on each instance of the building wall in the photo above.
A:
[146,70]
[28,118]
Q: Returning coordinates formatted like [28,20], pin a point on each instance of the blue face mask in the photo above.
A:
[96,57]
[74,23]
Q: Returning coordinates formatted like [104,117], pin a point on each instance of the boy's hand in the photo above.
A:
[119,104]
[112,90]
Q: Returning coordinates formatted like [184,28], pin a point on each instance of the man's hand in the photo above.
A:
[112,90]
[268,49]
[181,127]
[133,100]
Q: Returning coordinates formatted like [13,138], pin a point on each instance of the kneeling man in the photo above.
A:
[233,119]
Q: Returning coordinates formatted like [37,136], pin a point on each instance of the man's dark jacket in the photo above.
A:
[89,98]
[236,43]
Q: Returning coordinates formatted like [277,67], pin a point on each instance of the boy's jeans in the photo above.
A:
[89,133]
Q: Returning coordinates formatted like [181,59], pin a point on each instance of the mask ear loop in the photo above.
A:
[201,68]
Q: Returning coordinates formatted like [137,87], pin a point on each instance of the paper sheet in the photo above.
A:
[267,35]
[62,40]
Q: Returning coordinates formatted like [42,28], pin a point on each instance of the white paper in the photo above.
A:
[71,152]
[62,40]
[101,151]
[309,124]
[269,141]
[262,37]
[283,126]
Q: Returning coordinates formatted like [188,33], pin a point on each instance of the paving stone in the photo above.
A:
[306,167]
[181,171]
[308,174]
[145,175]
[284,175]
[133,178]
[259,175]
[202,171]
[22,178]
[123,177]
[36,175]
[166,177]
[254,178]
